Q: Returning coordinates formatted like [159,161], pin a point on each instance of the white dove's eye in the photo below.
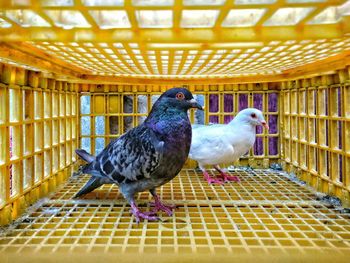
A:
[253,115]
[180,96]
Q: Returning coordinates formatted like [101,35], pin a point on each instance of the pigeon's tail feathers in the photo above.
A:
[96,180]
[90,168]
[85,155]
[91,185]
[87,168]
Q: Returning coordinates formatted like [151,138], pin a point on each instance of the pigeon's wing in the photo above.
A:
[209,145]
[134,156]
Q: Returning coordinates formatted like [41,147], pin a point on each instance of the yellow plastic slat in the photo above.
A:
[34,141]
[173,39]
[315,134]
[266,214]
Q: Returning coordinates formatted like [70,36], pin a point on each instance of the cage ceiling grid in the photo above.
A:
[166,39]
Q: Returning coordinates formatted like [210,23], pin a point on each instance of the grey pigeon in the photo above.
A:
[225,143]
[148,155]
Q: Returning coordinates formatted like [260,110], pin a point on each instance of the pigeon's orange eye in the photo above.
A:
[180,96]
[253,115]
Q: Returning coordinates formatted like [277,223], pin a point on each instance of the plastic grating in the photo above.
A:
[189,186]
[239,59]
[242,222]
[191,38]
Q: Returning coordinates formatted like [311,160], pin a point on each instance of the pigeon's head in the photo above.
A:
[180,98]
[252,116]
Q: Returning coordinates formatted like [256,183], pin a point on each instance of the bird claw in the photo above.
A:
[228,178]
[159,206]
[144,215]
[148,213]
[211,180]
[214,181]
[150,216]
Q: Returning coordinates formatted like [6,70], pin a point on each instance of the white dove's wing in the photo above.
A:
[197,126]
[209,145]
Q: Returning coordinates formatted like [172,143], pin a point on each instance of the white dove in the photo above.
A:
[225,143]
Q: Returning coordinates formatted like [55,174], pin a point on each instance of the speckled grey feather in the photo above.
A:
[148,155]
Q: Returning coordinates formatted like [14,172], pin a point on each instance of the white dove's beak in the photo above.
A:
[195,104]
[264,124]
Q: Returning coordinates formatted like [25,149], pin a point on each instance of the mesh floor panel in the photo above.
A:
[189,186]
[265,213]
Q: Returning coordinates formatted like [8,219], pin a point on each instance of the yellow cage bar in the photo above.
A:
[315,135]
[38,137]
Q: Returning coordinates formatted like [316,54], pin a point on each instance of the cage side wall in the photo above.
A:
[315,122]
[38,135]
[40,121]
[107,111]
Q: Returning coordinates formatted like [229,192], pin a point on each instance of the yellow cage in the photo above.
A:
[79,73]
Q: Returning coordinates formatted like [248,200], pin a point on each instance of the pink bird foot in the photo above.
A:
[211,180]
[228,178]
[159,206]
[150,216]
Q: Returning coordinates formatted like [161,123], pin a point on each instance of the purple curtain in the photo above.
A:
[258,101]
[213,107]
[273,102]
[228,107]
[242,101]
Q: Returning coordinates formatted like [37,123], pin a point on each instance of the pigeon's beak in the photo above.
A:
[195,104]
[264,124]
